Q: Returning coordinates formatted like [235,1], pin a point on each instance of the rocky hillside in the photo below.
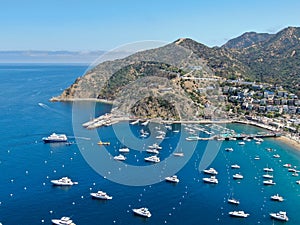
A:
[275,60]
[165,71]
[272,58]
[247,39]
[155,107]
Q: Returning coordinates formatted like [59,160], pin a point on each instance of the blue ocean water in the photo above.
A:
[27,165]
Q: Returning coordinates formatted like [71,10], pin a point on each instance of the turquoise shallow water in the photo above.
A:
[27,165]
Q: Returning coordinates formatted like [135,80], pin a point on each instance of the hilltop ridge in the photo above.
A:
[258,57]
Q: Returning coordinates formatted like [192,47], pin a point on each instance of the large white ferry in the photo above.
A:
[55,138]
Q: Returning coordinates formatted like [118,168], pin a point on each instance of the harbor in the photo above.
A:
[110,119]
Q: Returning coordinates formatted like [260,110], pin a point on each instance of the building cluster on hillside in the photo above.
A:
[262,98]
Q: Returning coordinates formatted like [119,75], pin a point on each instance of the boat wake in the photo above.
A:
[82,138]
[44,106]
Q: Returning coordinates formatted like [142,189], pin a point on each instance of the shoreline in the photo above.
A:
[284,138]
[290,142]
[58,99]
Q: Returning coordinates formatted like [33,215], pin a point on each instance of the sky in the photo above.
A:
[103,25]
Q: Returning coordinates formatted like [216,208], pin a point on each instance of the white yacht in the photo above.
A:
[63,221]
[179,154]
[298,181]
[173,179]
[211,171]
[160,136]
[268,176]
[267,169]
[120,157]
[145,123]
[152,151]
[238,176]
[135,122]
[257,157]
[153,158]
[277,197]
[280,216]
[124,150]
[212,180]
[101,195]
[55,138]
[241,143]
[239,214]
[276,156]
[155,146]
[233,201]
[235,166]
[287,165]
[292,170]
[193,138]
[144,133]
[269,182]
[142,212]
[229,149]
[64,181]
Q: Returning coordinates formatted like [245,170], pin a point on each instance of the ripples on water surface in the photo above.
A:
[27,166]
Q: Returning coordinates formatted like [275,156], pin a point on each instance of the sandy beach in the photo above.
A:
[289,142]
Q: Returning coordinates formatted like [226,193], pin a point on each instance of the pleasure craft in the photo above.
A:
[160,136]
[239,214]
[64,181]
[287,165]
[268,176]
[142,212]
[212,180]
[235,166]
[55,138]
[276,156]
[155,146]
[145,123]
[101,195]
[233,201]
[277,197]
[153,158]
[280,216]
[229,149]
[124,150]
[180,154]
[103,143]
[193,138]
[268,169]
[120,157]
[144,133]
[152,151]
[173,179]
[238,176]
[241,143]
[269,182]
[63,221]
[211,171]
[135,122]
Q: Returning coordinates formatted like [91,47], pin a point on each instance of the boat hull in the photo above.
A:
[95,196]
[54,141]
[56,183]
[141,214]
